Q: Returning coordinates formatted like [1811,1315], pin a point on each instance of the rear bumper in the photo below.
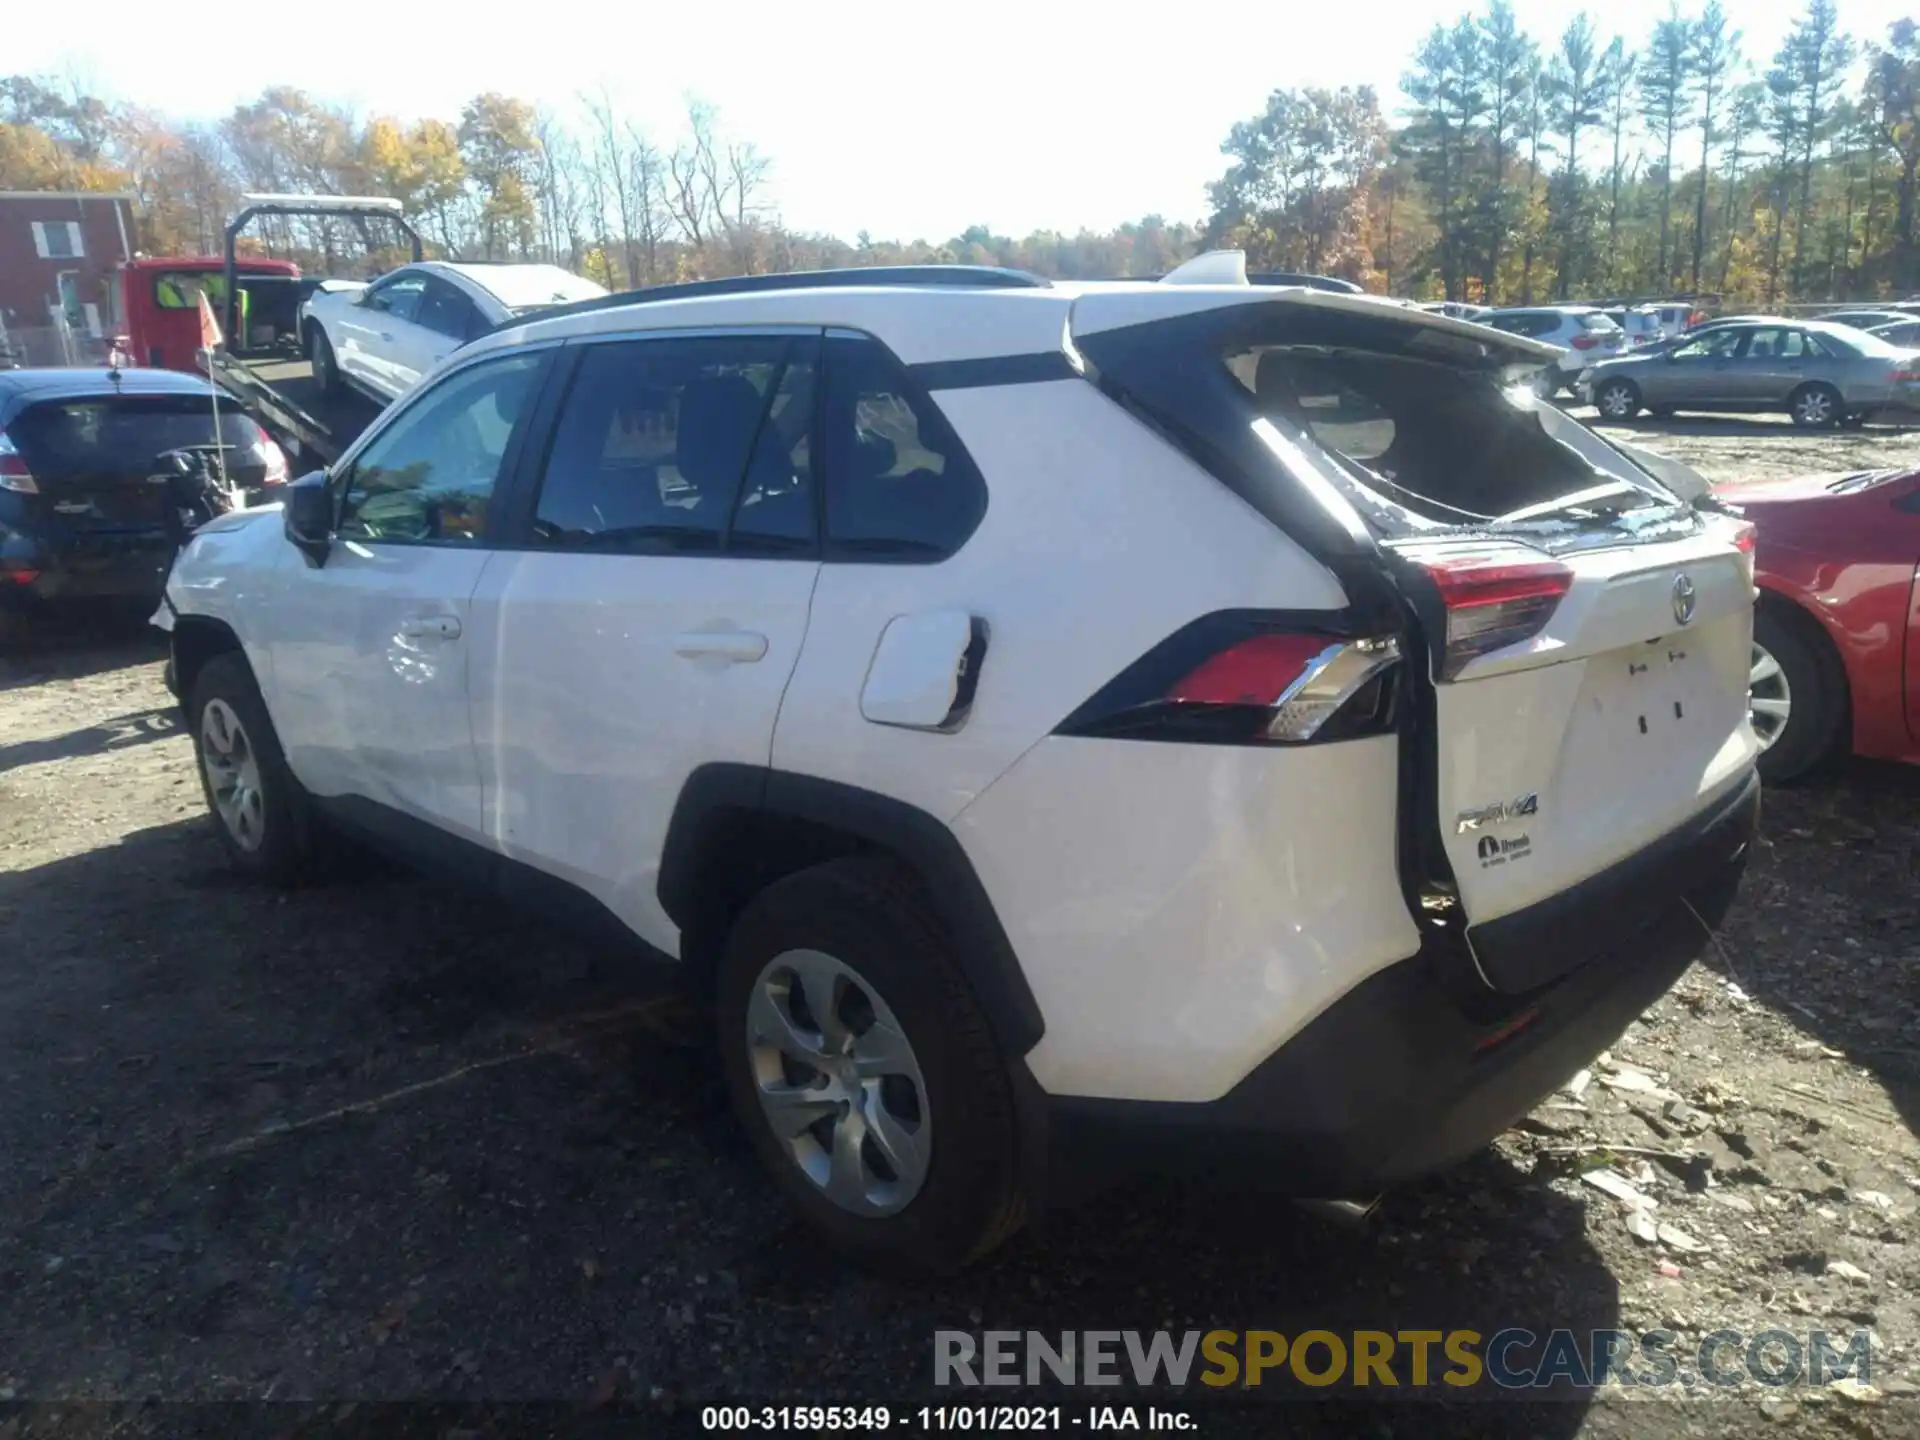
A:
[1410,1071]
[129,565]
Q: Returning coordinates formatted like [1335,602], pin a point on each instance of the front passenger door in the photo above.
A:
[377,326]
[371,653]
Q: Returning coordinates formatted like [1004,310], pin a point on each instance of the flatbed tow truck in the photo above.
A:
[264,360]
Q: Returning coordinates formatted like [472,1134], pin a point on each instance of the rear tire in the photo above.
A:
[1815,407]
[913,1167]
[1617,400]
[260,812]
[1797,693]
[326,370]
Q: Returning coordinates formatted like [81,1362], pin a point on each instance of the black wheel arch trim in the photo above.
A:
[715,794]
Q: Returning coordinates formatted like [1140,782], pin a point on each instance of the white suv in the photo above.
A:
[1060,728]
[1579,334]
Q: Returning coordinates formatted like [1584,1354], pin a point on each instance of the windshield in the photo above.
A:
[1859,342]
[120,434]
[524,288]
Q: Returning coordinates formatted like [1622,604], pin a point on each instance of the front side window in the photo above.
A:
[427,477]
[654,438]
[399,297]
[899,487]
[1719,345]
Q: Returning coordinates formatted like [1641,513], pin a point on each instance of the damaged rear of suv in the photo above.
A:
[1430,851]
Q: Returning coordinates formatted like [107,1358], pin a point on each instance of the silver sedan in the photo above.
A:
[1818,373]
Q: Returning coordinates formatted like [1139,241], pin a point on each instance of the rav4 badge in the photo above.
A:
[1496,814]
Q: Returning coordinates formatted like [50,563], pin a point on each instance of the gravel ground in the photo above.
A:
[384,1142]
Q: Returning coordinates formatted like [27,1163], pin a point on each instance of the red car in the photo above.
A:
[1836,635]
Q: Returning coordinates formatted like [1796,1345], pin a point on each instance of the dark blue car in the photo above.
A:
[84,494]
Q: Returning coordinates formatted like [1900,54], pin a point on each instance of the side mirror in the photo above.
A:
[308,516]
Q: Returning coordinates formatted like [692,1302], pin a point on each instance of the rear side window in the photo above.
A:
[124,435]
[655,439]
[899,487]
[446,310]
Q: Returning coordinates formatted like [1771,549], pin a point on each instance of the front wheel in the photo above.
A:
[259,810]
[326,369]
[1796,695]
[1814,407]
[860,1063]
[1618,399]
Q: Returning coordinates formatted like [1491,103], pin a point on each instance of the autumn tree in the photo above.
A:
[502,158]
[1663,103]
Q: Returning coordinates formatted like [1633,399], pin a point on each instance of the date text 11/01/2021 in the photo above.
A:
[984,1419]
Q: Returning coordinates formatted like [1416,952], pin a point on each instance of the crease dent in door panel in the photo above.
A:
[489,811]
[799,656]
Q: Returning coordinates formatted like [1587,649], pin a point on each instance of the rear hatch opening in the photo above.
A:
[1585,631]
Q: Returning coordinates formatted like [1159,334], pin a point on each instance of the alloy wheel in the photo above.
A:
[1769,698]
[838,1082]
[233,775]
[1617,401]
[1814,408]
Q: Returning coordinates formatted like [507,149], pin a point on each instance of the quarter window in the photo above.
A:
[899,487]
[427,477]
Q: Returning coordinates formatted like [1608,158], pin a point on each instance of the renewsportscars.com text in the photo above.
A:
[1457,1360]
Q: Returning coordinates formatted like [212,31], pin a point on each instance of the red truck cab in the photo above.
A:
[160,299]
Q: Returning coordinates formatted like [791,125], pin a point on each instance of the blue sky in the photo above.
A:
[905,122]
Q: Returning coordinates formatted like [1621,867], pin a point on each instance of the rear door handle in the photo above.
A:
[737,646]
[438,627]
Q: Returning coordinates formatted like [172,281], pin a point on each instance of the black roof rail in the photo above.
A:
[975,277]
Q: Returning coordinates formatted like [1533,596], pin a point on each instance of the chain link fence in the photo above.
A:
[24,347]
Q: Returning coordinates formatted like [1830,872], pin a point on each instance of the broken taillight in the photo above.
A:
[1244,680]
[1495,596]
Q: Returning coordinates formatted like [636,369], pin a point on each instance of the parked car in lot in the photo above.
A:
[1819,374]
[1903,334]
[381,338]
[1836,638]
[1863,319]
[724,617]
[84,489]
[1580,333]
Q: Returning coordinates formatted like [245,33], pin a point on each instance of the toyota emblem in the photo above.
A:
[1683,598]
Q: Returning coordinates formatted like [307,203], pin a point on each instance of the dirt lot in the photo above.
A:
[383,1142]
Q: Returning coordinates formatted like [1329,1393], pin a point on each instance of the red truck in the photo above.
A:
[160,299]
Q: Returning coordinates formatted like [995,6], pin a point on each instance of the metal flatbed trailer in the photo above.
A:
[267,371]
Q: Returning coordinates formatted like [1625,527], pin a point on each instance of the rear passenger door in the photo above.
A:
[649,618]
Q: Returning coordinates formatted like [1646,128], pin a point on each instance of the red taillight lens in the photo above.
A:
[1257,671]
[1585,342]
[1905,377]
[1495,597]
[1233,680]
[1745,538]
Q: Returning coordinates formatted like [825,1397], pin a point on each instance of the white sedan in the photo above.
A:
[381,338]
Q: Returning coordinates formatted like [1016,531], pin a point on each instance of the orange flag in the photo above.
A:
[210,336]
